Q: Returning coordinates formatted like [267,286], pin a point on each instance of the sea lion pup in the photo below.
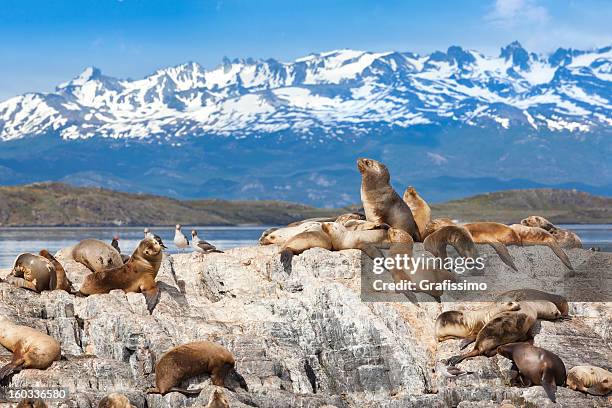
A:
[31,403]
[533,294]
[535,366]
[314,219]
[115,400]
[539,236]
[454,235]
[497,236]
[380,201]
[299,243]
[590,379]
[31,348]
[137,275]
[191,359]
[217,399]
[503,328]
[419,208]
[32,272]
[342,219]
[96,255]
[280,235]
[565,238]
[435,224]
[59,280]
[465,324]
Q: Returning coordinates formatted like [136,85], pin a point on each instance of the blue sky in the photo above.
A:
[43,43]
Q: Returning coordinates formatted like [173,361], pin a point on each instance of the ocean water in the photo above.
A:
[14,241]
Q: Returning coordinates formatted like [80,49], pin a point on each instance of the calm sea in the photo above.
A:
[13,241]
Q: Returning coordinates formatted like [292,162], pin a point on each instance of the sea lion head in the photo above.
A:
[115,400]
[506,350]
[373,168]
[333,228]
[510,306]
[537,221]
[410,190]
[150,249]
[268,236]
[218,399]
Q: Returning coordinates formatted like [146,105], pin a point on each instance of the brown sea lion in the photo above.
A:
[505,327]
[539,236]
[590,379]
[191,359]
[115,400]
[314,219]
[435,224]
[419,208]
[59,280]
[534,294]
[137,275]
[31,348]
[218,399]
[299,243]
[454,235]
[565,238]
[31,403]
[381,202]
[542,309]
[535,366]
[363,225]
[279,236]
[497,236]
[465,324]
[96,255]
[349,216]
[32,272]
[369,241]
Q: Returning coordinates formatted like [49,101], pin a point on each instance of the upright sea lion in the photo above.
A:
[137,275]
[96,255]
[465,324]
[565,238]
[31,348]
[59,280]
[497,236]
[534,294]
[299,243]
[590,379]
[31,403]
[217,399]
[539,236]
[32,272]
[381,202]
[280,235]
[435,224]
[350,216]
[191,359]
[454,235]
[419,208]
[535,366]
[115,400]
[505,327]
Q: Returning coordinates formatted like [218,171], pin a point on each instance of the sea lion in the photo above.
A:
[539,236]
[542,309]
[435,224]
[505,327]
[96,255]
[31,403]
[299,243]
[115,400]
[137,275]
[218,399]
[465,324]
[314,219]
[590,379]
[565,238]
[381,202]
[419,208]
[280,235]
[497,236]
[32,272]
[191,359]
[368,241]
[534,294]
[363,225]
[59,280]
[350,216]
[535,366]
[31,348]
[454,235]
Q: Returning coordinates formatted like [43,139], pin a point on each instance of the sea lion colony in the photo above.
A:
[389,223]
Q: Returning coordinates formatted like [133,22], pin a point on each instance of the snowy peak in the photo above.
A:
[335,93]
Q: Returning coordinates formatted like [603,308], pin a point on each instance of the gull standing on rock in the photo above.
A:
[180,240]
[200,245]
[149,234]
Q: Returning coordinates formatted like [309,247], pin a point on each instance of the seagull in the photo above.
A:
[149,234]
[115,243]
[200,245]
[180,240]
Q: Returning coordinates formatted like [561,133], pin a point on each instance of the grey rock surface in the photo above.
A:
[301,339]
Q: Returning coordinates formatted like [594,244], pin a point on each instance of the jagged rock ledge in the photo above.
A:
[303,339]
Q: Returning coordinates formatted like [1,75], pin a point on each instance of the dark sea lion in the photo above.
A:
[565,238]
[419,208]
[535,366]
[505,327]
[590,379]
[191,359]
[115,400]
[435,224]
[59,280]
[32,272]
[454,235]
[96,255]
[137,275]
[381,202]
[539,236]
[31,403]
[534,294]
[301,242]
[30,348]
[497,236]
[217,399]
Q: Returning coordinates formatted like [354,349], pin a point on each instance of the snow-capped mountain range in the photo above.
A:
[335,94]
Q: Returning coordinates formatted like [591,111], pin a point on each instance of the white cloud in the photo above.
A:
[509,13]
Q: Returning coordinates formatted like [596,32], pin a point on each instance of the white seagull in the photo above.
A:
[180,240]
[201,246]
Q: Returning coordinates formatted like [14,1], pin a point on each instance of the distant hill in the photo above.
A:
[57,204]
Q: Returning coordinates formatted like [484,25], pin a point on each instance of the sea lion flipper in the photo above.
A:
[11,367]
[503,253]
[549,384]
[560,254]
[21,283]
[186,391]
[151,297]
[285,257]
[466,342]
[370,250]
[596,390]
